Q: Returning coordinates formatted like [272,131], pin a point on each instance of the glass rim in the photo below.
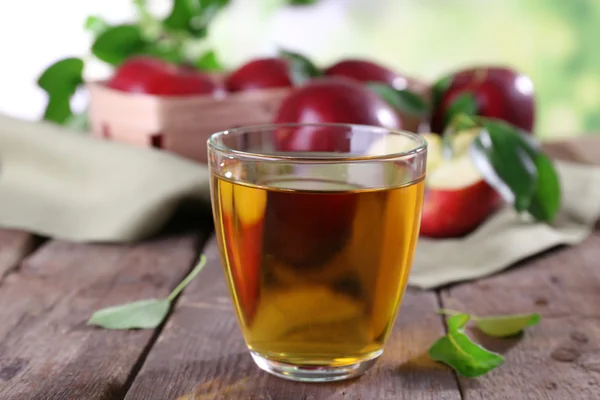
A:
[419,147]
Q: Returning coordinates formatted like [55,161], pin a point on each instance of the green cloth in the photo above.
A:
[62,184]
[504,238]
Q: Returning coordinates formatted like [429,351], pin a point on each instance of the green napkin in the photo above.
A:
[505,238]
[62,184]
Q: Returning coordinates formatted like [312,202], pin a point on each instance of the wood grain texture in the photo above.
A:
[14,246]
[560,358]
[47,352]
[201,355]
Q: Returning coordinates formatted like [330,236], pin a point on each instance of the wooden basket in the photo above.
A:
[183,124]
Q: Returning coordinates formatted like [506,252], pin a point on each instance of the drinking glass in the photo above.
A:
[316,227]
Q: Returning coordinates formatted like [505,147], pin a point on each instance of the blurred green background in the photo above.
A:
[553,41]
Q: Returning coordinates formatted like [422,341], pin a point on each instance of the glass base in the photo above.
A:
[314,373]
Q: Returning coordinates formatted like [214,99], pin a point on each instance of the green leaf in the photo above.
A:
[193,16]
[504,159]
[60,81]
[301,68]
[78,122]
[142,314]
[96,25]
[208,62]
[439,88]
[118,43]
[506,325]
[402,100]
[546,200]
[458,351]
[464,104]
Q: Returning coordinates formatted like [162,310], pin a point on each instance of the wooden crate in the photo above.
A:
[183,124]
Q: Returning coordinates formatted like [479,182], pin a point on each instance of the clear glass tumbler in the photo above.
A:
[316,225]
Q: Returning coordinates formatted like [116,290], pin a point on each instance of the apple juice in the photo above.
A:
[316,269]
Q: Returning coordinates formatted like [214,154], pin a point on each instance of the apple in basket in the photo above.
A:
[262,73]
[457,198]
[148,75]
[366,71]
[493,92]
[330,100]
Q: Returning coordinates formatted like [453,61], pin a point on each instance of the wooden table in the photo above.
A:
[48,289]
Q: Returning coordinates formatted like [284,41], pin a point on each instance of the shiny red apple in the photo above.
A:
[367,71]
[457,199]
[143,74]
[262,73]
[330,100]
[495,92]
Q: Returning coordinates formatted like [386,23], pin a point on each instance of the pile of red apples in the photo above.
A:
[457,199]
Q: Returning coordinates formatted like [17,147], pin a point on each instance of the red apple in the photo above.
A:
[497,92]
[366,71]
[143,74]
[330,100]
[457,199]
[262,73]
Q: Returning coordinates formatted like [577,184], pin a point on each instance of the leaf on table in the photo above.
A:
[118,43]
[60,81]
[458,351]
[143,314]
[301,68]
[402,100]
[193,16]
[506,325]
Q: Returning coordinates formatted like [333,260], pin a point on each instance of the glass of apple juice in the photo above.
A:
[316,226]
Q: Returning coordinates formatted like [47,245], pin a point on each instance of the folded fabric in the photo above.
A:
[62,184]
[506,238]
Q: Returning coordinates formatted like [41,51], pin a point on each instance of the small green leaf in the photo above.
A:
[401,100]
[301,68]
[78,122]
[458,351]
[96,25]
[506,325]
[546,200]
[503,158]
[439,88]
[193,16]
[118,43]
[208,62]
[60,81]
[143,314]
[464,104]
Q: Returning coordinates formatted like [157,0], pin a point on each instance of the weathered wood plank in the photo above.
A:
[560,358]
[14,246]
[46,350]
[201,355]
